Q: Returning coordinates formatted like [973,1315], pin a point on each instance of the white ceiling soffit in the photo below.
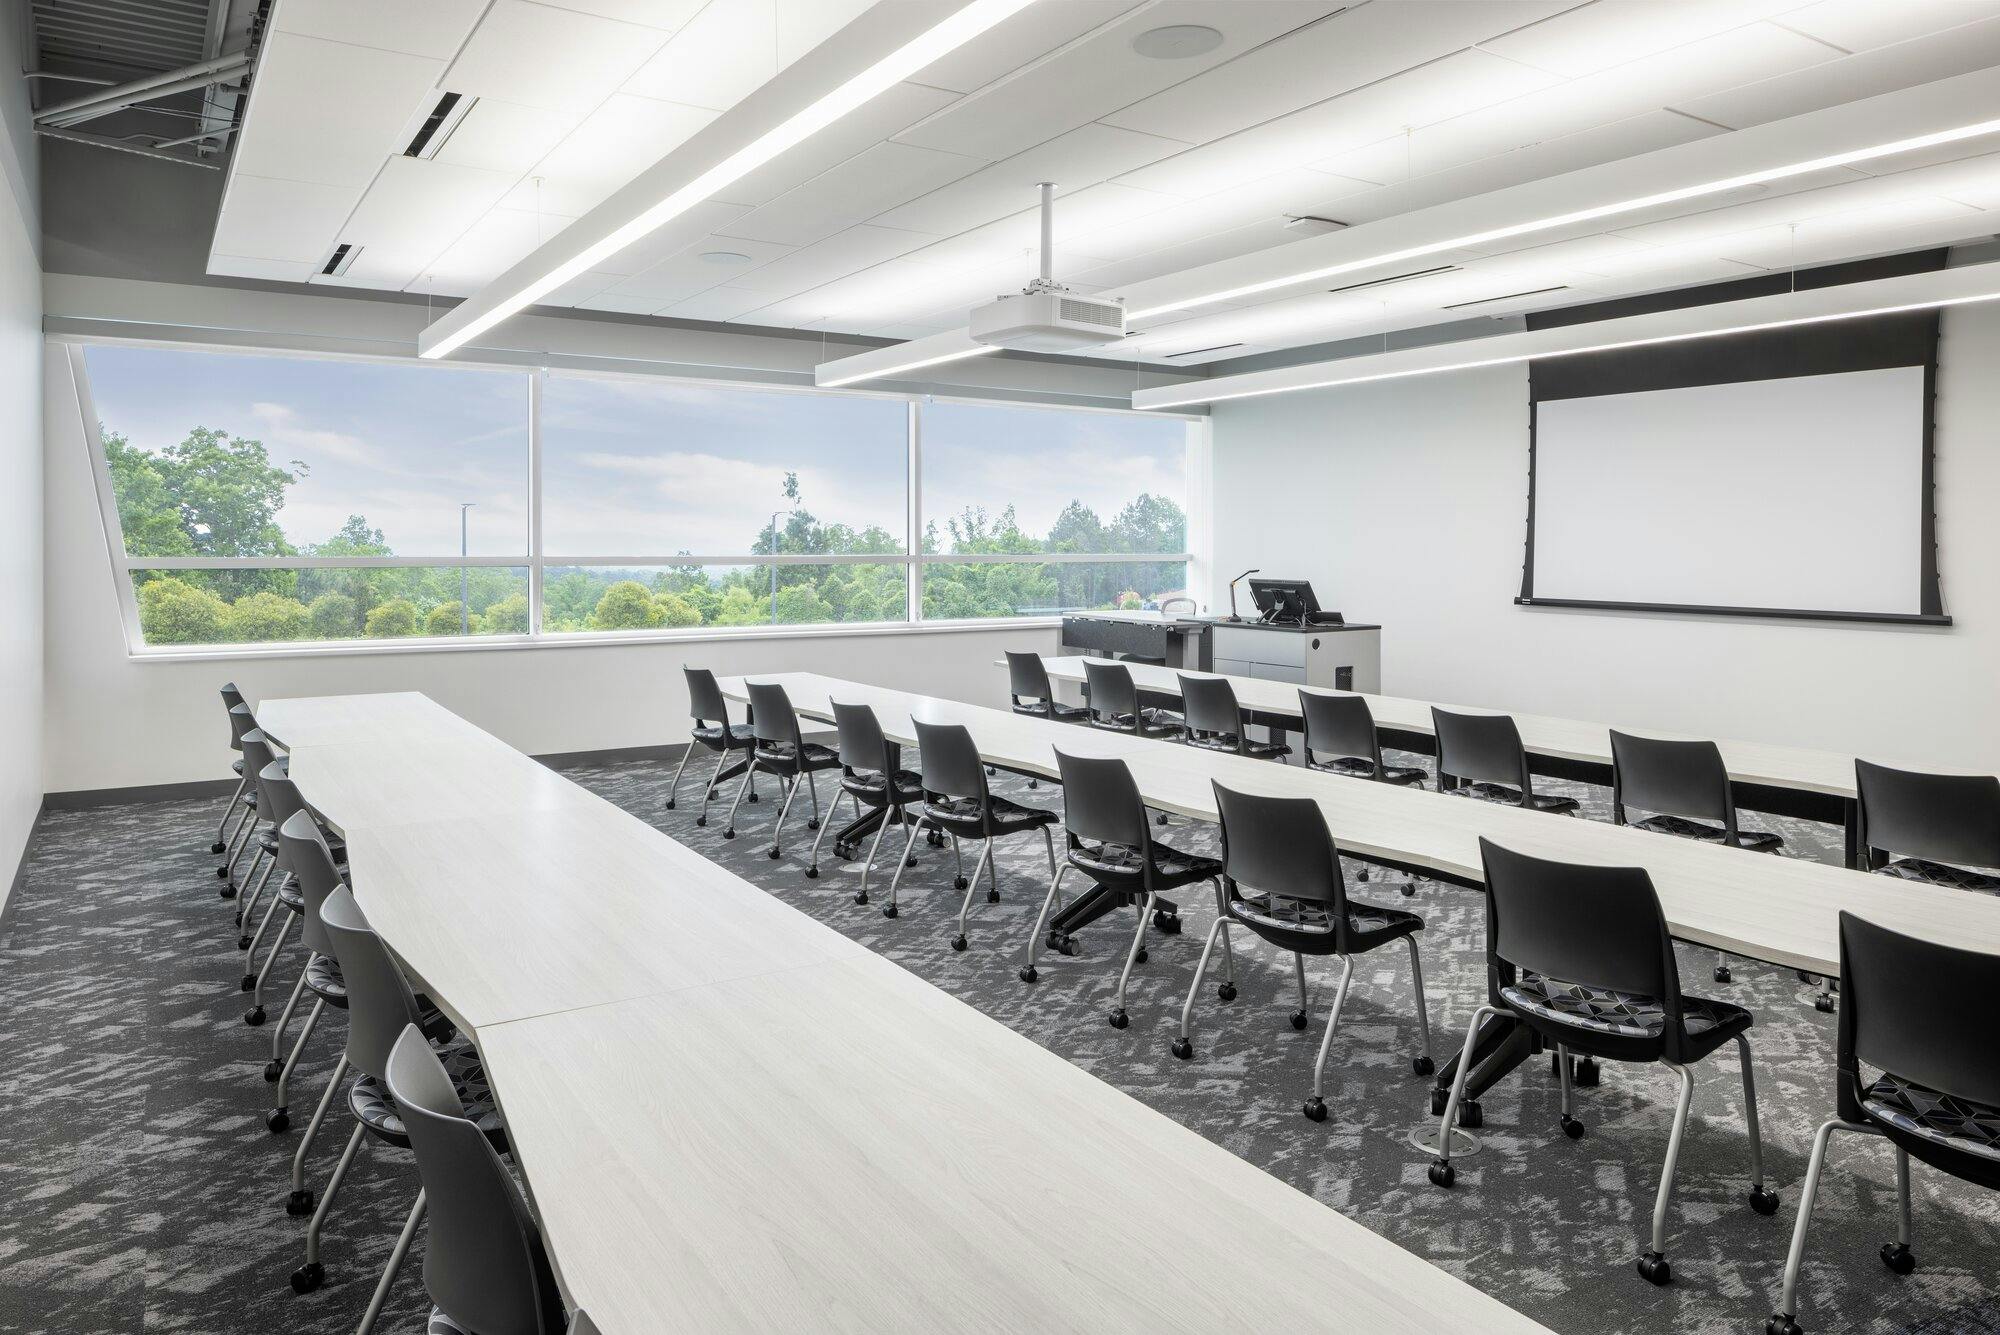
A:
[1920,291]
[820,74]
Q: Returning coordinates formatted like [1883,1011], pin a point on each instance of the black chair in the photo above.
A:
[303,851]
[1686,787]
[1342,728]
[1029,690]
[1918,1013]
[1215,723]
[485,1266]
[783,752]
[1941,825]
[240,721]
[1481,756]
[1111,842]
[713,730]
[871,779]
[1281,878]
[257,753]
[1581,956]
[1114,703]
[957,801]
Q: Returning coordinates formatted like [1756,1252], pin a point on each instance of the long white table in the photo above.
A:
[733,1119]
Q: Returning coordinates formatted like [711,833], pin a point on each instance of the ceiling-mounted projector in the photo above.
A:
[1046,316]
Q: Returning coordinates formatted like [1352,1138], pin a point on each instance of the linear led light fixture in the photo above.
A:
[967,23]
[896,358]
[1853,301]
[885,372]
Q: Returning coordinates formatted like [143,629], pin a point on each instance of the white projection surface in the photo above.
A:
[1800,494]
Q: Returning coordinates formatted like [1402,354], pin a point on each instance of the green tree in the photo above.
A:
[675,610]
[261,618]
[393,620]
[801,605]
[450,619]
[740,607]
[334,616]
[626,605]
[146,509]
[174,612]
[509,616]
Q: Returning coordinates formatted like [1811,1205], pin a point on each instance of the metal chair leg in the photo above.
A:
[889,909]
[1034,944]
[1300,1019]
[1783,1321]
[708,789]
[888,812]
[245,834]
[1132,953]
[749,772]
[301,1200]
[965,905]
[280,1115]
[1653,1265]
[812,867]
[284,1019]
[229,812]
[812,791]
[784,809]
[396,1258]
[1441,1172]
[674,788]
[1049,843]
[308,1276]
[270,958]
[1228,953]
[1184,1045]
[1424,1065]
[1316,1105]
[1762,1199]
[251,942]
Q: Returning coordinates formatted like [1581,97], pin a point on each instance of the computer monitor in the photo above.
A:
[1284,599]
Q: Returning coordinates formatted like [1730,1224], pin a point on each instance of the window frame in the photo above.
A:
[912,559]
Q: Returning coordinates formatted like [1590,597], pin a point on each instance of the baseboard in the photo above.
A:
[20,876]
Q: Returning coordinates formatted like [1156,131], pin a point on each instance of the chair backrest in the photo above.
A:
[484,1261]
[1209,705]
[1918,1010]
[1280,846]
[863,748]
[771,716]
[1101,802]
[951,764]
[257,753]
[277,796]
[1027,679]
[705,702]
[1110,688]
[231,697]
[1481,747]
[581,1324]
[1672,778]
[302,850]
[380,1004]
[241,720]
[1599,926]
[1339,725]
[1941,817]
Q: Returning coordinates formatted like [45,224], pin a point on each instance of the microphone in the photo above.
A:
[1255,570]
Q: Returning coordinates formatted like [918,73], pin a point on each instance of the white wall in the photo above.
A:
[20,476]
[1406,502]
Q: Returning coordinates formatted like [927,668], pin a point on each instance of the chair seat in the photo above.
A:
[735,737]
[1942,873]
[1211,741]
[1053,709]
[1003,816]
[1123,862]
[1757,841]
[323,977]
[1622,1014]
[1506,796]
[810,755]
[1943,1119]
[872,786]
[291,896]
[1361,767]
[369,1099]
[1295,922]
[1150,723]
[442,1324]
[236,765]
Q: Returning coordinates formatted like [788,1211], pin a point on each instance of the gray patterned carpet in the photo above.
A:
[140,1191]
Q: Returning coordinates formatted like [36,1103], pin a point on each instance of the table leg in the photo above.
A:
[1503,1044]
[1852,820]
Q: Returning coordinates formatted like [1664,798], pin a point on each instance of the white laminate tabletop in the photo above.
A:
[846,1148]
[1782,910]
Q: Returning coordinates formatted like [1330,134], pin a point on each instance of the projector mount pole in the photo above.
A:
[1047,282]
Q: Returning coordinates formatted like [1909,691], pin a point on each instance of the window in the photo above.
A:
[266,499]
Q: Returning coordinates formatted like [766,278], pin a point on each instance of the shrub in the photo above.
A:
[334,616]
[448,619]
[626,605]
[675,610]
[509,616]
[171,612]
[392,620]
[260,618]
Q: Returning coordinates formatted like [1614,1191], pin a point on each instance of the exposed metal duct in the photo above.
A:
[153,86]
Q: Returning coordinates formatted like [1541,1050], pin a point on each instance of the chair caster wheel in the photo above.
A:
[1160,819]
[990,771]
[1823,1003]
[1442,1174]
[1780,1324]
[1169,924]
[959,883]
[247,983]
[861,897]
[701,820]
[1653,1268]
[1470,1115]
[714,793]
[888,910]
[1183,1048]
[1572,1127]
[308,1277]
[1032,783]
[842,851]
[1028,975]
[812,872]
[218,847]
[993,896]
[958,942]
[1587,1073]
[1425,1067]
[774,852]
[729,833]
[670,804]
[1067,945]
[226,892]
[1119,1019]
[272,1070]
[299,1204]
[1226,992]
[276,1121]
[1722,973]
[222,873]
[933,838]
[753,796]
[1298,1019]
[243,943]
[1140,958]
[236,919]
[1315,1109]
[253,1018]
[1763,1200]
[1409,890]
[812,825]
[1898,1257]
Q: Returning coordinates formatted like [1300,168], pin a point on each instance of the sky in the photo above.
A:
[630,467]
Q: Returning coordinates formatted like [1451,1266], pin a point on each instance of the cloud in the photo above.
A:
[285,435]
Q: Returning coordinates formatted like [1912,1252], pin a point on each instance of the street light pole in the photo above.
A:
[464,612]
[774,566]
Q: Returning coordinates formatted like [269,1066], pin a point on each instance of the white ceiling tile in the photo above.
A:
[1902,65]
[682,276]
[1244,239]
[835,257]
[435,28]
[1336,55]
[1598,36]
[413,213]
[1801,208]
[1267,202]
[673,237]
[860,188]
[504,136]
[1086,155]
[622,303]
[494,244]
[555,58]
[280,271]
[262,218]
[718,303]
[1096,77]
[1860,25]
[294,130]
[890,112]
[723,54]
[1016,41]
[580,289]
[610,146]
[802,25]
[667,14]
[1018,238]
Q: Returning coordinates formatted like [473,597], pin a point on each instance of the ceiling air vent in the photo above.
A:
[338,262]
[1488,301]
[1397,278]
[445,117]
